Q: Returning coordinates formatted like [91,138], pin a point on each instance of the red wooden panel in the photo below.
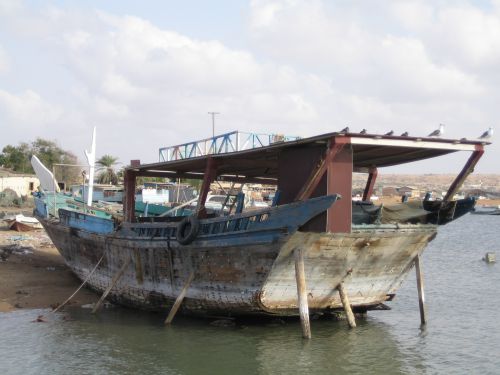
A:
[339,181]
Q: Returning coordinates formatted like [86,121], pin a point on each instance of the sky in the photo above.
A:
[147,73]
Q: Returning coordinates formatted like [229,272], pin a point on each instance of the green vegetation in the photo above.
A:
[18,158]
[107,173]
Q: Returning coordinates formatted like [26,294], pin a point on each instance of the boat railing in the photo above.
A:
[208,227]
[220,144]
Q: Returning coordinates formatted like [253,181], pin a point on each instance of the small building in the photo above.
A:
[409,191]
[18,184]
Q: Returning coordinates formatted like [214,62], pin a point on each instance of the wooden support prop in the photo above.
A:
[114,280]
[420,287]
[347,306]
[179,299]
[302,293]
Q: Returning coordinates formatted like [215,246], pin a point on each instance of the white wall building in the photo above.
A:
[21,184]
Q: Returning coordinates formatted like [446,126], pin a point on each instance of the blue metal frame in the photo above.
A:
[220,144]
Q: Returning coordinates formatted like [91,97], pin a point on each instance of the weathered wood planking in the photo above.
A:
[258,278]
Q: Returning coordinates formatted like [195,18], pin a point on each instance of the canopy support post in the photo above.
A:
[370,183]
[339,181]
[129,190]
[209,177]
[466,171]
[336,145]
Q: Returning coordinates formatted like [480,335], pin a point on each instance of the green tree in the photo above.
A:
[18,158]
[50,154]
[107,173]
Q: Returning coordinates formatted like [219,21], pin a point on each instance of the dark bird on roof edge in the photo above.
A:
[405,134]
[390,133]
[345,130]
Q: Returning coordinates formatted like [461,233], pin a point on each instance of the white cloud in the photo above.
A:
[4,61]
[314,66]
[27,109]
[9,7]
[363,61]
[468,36]
[414,15]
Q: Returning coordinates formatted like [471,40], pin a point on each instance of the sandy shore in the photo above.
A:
[35,275]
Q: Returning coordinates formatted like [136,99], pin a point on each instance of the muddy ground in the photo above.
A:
[35,275]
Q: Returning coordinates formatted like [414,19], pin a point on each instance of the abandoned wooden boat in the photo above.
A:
[245,263]
[23,223]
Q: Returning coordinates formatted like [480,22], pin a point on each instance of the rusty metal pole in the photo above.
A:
[420,288]
[302,293]
[347,306]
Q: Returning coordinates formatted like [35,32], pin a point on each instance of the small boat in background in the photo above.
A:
[486,211]
[22,223]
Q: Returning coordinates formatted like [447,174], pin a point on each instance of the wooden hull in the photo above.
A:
[23,227]
[250,277]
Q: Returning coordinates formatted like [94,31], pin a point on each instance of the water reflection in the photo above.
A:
[126,341]
[462,335]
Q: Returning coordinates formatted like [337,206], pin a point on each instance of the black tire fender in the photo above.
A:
[187,230]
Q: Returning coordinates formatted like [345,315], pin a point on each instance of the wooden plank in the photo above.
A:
[300,278]
[420,288]
[114,280]
[179,299]
[347,306]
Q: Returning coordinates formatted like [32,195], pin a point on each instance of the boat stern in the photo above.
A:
[372,262]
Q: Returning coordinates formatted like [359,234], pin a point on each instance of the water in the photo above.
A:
[462,335]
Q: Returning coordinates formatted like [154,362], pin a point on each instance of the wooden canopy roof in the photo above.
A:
[261,164]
